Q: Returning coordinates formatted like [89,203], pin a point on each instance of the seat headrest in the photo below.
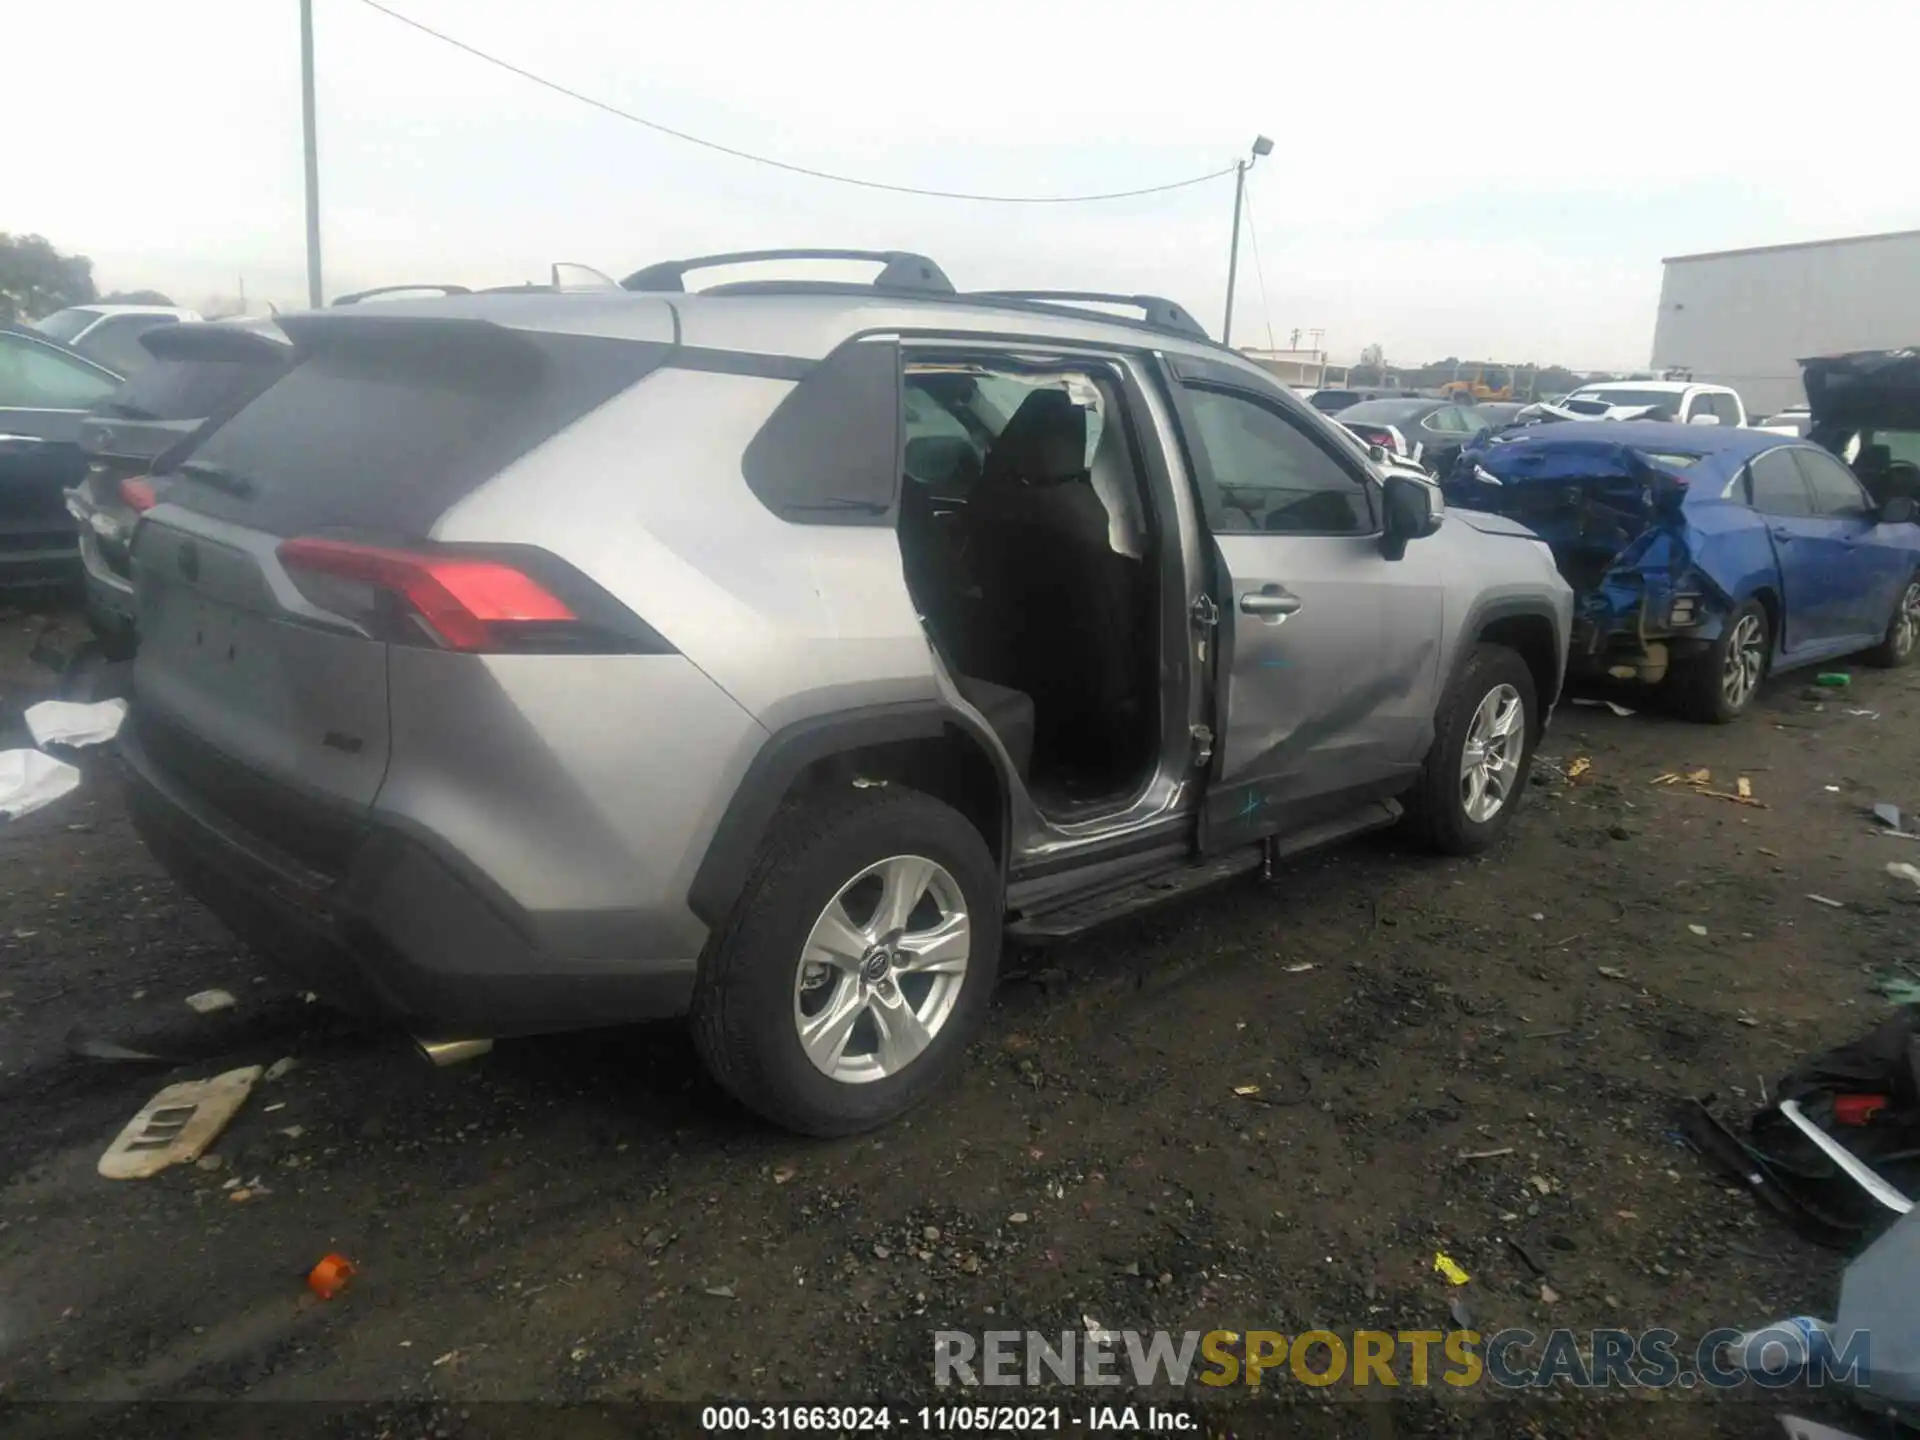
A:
[1873,457]
[1044,443]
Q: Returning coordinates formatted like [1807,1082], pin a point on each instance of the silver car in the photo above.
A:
[772,654]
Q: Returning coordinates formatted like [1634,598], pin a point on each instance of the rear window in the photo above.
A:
[1333,399]
[63,325]
[1385,412]
[389,423]
[191,389]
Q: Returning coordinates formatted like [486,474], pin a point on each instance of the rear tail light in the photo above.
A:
[473,601]
[138,493]
[1374,436]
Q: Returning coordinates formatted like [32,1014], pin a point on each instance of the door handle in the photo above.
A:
[22,440]
[1271,600]
[1780,532]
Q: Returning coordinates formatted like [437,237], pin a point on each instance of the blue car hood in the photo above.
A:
[1613,516]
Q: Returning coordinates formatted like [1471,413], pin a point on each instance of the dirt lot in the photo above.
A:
[586,1219]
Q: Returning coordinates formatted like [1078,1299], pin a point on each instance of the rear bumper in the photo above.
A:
[404,933]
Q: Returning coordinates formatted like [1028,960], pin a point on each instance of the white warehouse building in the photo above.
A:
[1745,318]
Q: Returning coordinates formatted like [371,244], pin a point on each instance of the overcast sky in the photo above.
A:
[1489,180]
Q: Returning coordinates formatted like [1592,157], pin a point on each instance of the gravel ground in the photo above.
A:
[586,1219]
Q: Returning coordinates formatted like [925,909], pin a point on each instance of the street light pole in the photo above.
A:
[313,155]
[1261,146]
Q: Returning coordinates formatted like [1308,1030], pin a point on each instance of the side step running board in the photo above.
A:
[1078,915]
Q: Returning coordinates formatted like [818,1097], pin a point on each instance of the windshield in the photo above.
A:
[63,325]
[1582,401]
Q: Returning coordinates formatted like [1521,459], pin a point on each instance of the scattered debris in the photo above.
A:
[1018,1217]
[1899,989]
[281,1068]
[1823,900]
[1462,1313]
[1614,705]
[1901,870]
[206,1002]
[1831,789]
[1833,680]
[330,1276]
[1613,972]
[1097,1333]
[64,722]
[1541,1183]
[293,1132]
[1865,714]
[177,1125]
[1445,1265]
[1699,780]
[1302,968]
[1579,767]
[1743,787]
[783,1173]
[1549,1295]
[1238,1090]
[30,781]
[1698,929]
[1486,1154]
[720,1292]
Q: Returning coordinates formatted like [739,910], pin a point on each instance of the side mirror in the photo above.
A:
[1412,513]
[1377,454]
[1704,420]
[1898,510]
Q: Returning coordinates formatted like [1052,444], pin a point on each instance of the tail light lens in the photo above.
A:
[1374,436]
[476,601]
[138,493]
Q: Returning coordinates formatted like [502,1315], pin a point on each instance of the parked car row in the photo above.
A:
[1704,558]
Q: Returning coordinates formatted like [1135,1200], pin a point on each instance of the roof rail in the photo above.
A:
[359,295]
[901,269]
[1158,312]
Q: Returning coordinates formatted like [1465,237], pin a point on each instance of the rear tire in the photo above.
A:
[800,936]
[1489,721]
[1719,687]
[1902,640]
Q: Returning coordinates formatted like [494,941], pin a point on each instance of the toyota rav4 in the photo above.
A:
[771,654]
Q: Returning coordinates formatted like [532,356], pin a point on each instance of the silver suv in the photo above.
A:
[770,654]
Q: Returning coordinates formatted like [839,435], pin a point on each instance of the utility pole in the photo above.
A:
[1261,146]
[314,294]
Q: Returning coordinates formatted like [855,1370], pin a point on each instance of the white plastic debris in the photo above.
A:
[1900,870]
[67,722]
[176,1126]
[30,780]
[205,1002]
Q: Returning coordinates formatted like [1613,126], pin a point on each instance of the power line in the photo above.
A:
[1266,311]
[656,126]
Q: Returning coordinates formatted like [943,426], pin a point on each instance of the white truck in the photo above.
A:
[1683,401]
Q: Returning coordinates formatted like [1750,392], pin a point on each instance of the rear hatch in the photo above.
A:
[200,373]
[1867,390]
[292,548]
[1599,504]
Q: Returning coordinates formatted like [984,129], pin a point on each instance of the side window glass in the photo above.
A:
[1777,487]
[1442,421]
[1272,476]
[33,377]
[1835,491]
[1726,409]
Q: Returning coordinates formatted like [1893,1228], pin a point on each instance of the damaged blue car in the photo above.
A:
[1704,558]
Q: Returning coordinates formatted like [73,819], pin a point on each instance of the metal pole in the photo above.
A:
[313,155]
[1233,251]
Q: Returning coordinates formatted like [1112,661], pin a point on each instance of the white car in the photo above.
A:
[1682,401]
[110,334]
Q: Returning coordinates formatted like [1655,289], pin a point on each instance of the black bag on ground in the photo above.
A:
[1833,1090]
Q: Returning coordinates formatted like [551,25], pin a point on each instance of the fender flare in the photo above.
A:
[787,754]
[1512,607]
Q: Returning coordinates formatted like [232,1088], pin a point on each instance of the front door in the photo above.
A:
[1329,652]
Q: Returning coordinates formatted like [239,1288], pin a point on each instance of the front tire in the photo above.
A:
[1482,752]
[1719,687]
[858,964]
[1902,640]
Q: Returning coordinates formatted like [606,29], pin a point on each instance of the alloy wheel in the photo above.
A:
[1490,760]
[882,969]
[1906,621]
[1745,663]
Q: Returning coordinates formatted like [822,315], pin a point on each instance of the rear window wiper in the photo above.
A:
[218,476]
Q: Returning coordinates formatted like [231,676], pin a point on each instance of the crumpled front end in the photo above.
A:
[1619,533]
